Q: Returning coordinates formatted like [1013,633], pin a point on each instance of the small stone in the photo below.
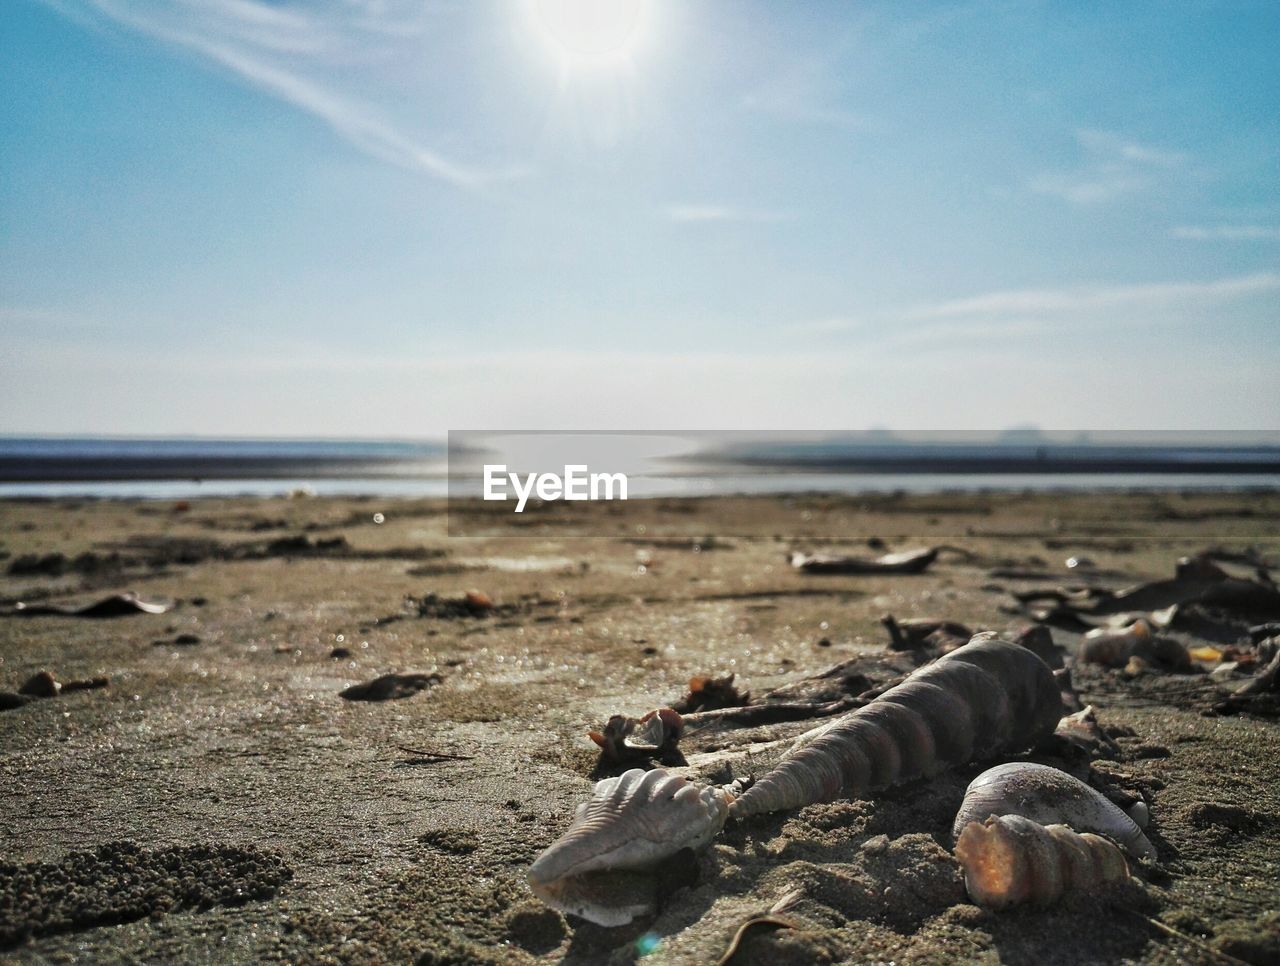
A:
[478,601]
[1224,671]
[876,844]
[42,685]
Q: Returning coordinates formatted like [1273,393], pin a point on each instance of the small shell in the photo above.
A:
[1048,796]
[1010,860]
[1113,648]
[631,822]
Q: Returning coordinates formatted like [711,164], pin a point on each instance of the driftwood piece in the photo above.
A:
[904,562]
[390,687]
[117,605]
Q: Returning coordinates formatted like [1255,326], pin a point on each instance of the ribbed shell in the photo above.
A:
[983,699]
[1049,796]
[1010,860]
[631,822]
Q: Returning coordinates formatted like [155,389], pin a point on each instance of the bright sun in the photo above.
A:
[591,34]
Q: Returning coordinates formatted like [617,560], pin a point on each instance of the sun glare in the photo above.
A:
[591,34]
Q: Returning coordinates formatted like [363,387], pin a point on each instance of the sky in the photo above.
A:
[393,218]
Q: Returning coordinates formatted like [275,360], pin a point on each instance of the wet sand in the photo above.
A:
[219,800]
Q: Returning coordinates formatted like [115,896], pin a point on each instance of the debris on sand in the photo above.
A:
[10,700]
[904,562]
[41,685]
[391,687]
[1112,648]
[1259,695]
[44,685]
[117,605]
[925,634]
[87,684]
[708,693]
[473,603]
[1201,597]
[181,640]
[636,740]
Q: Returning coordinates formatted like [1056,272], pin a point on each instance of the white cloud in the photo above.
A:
[1089,299]
[1105,144]
[1114,167]
[1226,232]
[275,48]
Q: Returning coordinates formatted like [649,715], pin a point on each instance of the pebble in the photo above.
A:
[42,685]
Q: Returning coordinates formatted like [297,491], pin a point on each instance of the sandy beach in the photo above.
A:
[217,799]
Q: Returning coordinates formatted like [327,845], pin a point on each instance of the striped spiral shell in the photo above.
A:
[1049,796]
[983,699]
[1010,860]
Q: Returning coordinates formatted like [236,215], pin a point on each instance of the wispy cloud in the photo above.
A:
[1046,301]
[1012,317]
[1105,144]
[698,213]
[1226,232]
[1067,301]
[276,49]
[1114,166]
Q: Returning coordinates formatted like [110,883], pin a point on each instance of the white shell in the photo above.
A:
[631,822]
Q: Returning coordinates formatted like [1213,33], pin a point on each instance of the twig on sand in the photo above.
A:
[429,755]
[1199,944]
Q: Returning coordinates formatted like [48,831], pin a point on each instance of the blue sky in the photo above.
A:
[393,218]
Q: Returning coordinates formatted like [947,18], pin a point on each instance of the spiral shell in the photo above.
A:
[631,822]
[1049,796]
[980,700]
[1010,860]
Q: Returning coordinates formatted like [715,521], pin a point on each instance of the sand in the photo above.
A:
[220,801]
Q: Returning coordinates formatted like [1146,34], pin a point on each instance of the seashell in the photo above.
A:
[1113,648]
[983,699]
[631,823]
[1048,796]
[1010,860]
[625,737]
